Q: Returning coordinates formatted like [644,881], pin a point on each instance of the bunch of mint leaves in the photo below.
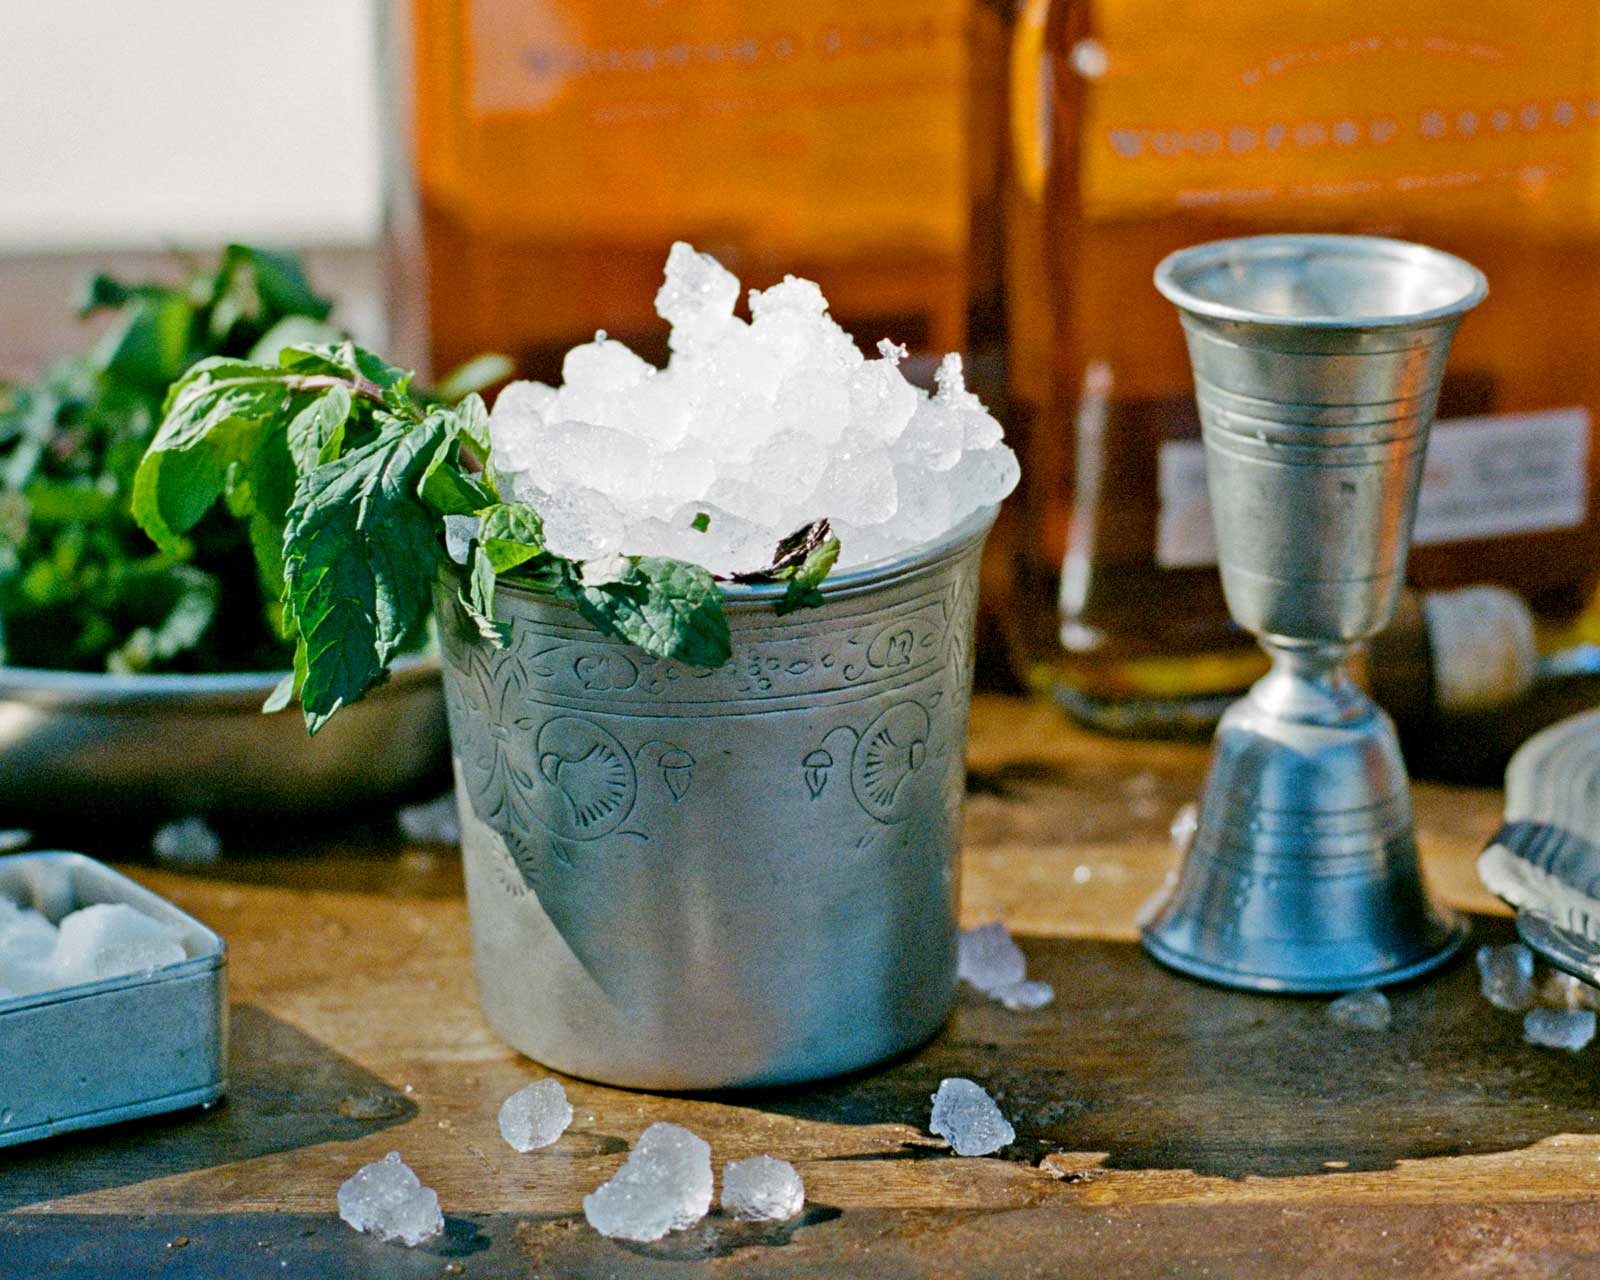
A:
[81,588]
[344,477]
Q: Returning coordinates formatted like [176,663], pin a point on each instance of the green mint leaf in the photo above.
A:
[289,686]
[219,418]
[148,346]
[251,290]
[510,534]
[346,360]
[478,599]
[193,606]
[472,419]
[666,607]
[360,554]
[802,592]
[701,522]
[316,433]
[446,486]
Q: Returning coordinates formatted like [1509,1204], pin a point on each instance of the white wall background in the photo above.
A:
[187,122]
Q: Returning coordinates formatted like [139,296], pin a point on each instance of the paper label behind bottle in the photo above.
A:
[1494,476]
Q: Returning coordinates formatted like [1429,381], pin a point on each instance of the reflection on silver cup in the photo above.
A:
[1317,363]
[684,879]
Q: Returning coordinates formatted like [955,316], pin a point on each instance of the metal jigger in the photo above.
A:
[1317,362]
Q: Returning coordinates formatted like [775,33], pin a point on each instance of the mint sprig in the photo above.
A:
[344,476]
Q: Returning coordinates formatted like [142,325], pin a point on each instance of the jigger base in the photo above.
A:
[1303,875]
[1242,980]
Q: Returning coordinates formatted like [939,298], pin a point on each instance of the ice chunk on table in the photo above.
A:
[434,821]
[111,939]
[1505,976]
[762,1189]
[988,959]
[1559,1028]
[535,1115]
[387,1200]
[967,1118]
[665,1186]
[779,421]
[188,842]
[1363,1010]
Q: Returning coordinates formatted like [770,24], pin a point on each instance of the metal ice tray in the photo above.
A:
[101,1052]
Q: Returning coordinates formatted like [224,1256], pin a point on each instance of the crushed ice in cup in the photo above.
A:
[665,1186]
[1505,976]
[535,1115]
[762,425]
[111,939]
[762,1189]
[1363,1010]
[988,959]
[387,1200]
[432,822]
[1569,1029]
[967,1118]
[188,842]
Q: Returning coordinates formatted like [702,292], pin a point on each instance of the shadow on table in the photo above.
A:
[1164,1072]
[285,1091]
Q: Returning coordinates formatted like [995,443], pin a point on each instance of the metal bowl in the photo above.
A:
[74,742]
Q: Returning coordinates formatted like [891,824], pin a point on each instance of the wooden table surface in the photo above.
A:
[1165,1128]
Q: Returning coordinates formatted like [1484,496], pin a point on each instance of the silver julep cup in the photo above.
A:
[1317,363]
[686,879]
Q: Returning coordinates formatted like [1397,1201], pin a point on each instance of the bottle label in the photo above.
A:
[1485,477]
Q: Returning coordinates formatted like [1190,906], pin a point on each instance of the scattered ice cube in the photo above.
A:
[1022,997]
[988,958]
[12,838]
[387,1200]
[778,421]
[108,940]
[535,1115]
[433,822]
[1505,976]
[762,1189]
[459,531]
[967,1118]
[1364,1010]
[665,1186]
[188,842]
[1559,1028]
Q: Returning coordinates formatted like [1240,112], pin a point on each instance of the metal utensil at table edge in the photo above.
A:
[1545,859]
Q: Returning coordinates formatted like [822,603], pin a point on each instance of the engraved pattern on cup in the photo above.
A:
[682,878]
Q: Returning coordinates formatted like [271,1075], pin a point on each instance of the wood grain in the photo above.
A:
[1164,1126]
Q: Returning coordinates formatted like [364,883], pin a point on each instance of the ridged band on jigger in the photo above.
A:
[1303,875]
[681,879]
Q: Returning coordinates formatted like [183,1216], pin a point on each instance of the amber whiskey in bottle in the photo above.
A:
[1142,126]
[551,153]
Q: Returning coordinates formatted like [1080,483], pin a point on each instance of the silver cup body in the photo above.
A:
[1317,363]
[681,879]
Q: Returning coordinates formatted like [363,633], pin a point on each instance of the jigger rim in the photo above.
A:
[1175,272]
